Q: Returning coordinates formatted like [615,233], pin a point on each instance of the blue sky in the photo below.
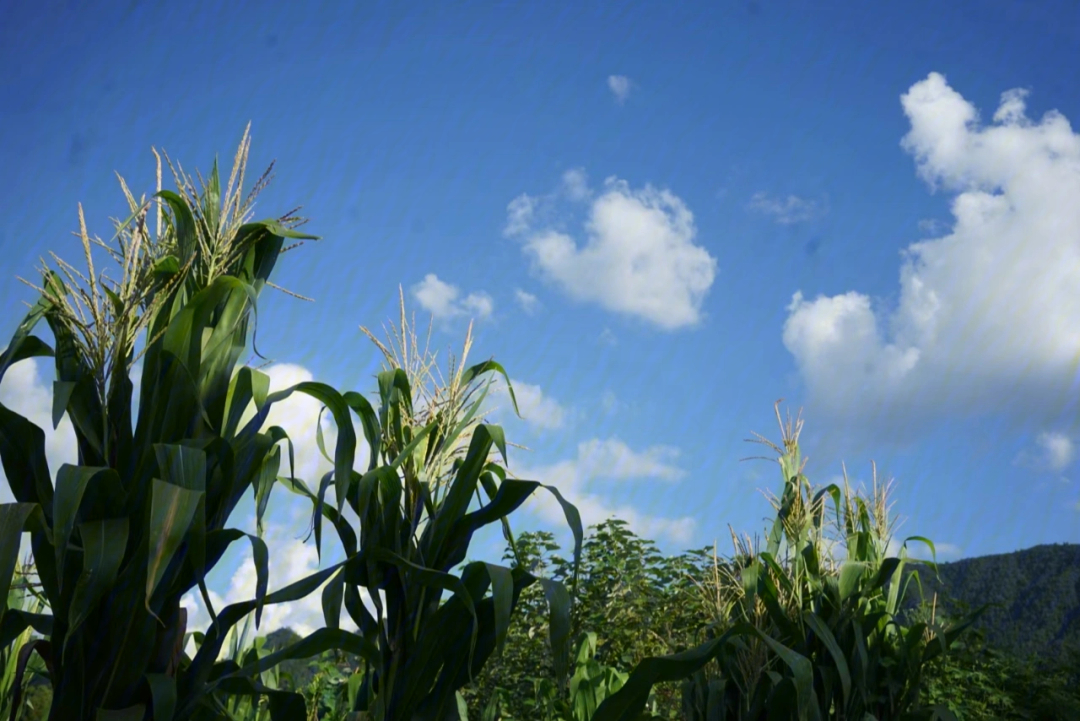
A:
[662,218]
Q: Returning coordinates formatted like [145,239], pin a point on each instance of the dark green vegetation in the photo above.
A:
[640,603]
[809,624]
[1034,596]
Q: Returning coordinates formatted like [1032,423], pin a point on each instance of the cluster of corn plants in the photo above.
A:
[120,537]
[811,626]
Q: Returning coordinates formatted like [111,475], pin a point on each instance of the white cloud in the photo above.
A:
[24,391]
[1054,452]
[537,409]
[639,257]
[932,226]
[787,211]
[576,185]
[942,551]
[612,459]
[527,301]
[519,214]
[971,333]
[441,300]
[1058,449]
[620,87]
[606,337]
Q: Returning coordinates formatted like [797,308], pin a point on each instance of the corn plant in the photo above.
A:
[800,632]
[415,529]
[242,652]
[591,683]
[23,596]
[121,536]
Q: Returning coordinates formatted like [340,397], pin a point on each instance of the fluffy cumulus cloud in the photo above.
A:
[537,409]
[638,258]
[619,85]
[576,184]
[441,300]
[986,314]
[608,459]
[789,210]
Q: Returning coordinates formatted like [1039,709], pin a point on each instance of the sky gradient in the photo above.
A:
[662,218]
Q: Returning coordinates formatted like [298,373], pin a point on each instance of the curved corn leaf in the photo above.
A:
[104,543]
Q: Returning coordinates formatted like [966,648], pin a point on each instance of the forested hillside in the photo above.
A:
[1035,595]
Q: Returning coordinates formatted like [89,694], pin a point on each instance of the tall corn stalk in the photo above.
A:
[415,529]
[121,536]
[809,626]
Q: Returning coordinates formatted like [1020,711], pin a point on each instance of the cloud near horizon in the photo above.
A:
[971,332]
[639,257]
[611,459]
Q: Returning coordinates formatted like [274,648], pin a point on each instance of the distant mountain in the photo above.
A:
[1035,592]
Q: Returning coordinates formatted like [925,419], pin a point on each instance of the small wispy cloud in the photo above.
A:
[620,87]
[932,226]
[26,391]
[576,184]
[1053,452]
[527,301]
[441,300]
[610,459]
[610,402]
[786,211]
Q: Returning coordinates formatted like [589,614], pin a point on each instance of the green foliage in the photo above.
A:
[797,633]
[636,603]
[120,537]
[794,630]
[977,680]
[1033,595]
[415,529]
[26,598]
